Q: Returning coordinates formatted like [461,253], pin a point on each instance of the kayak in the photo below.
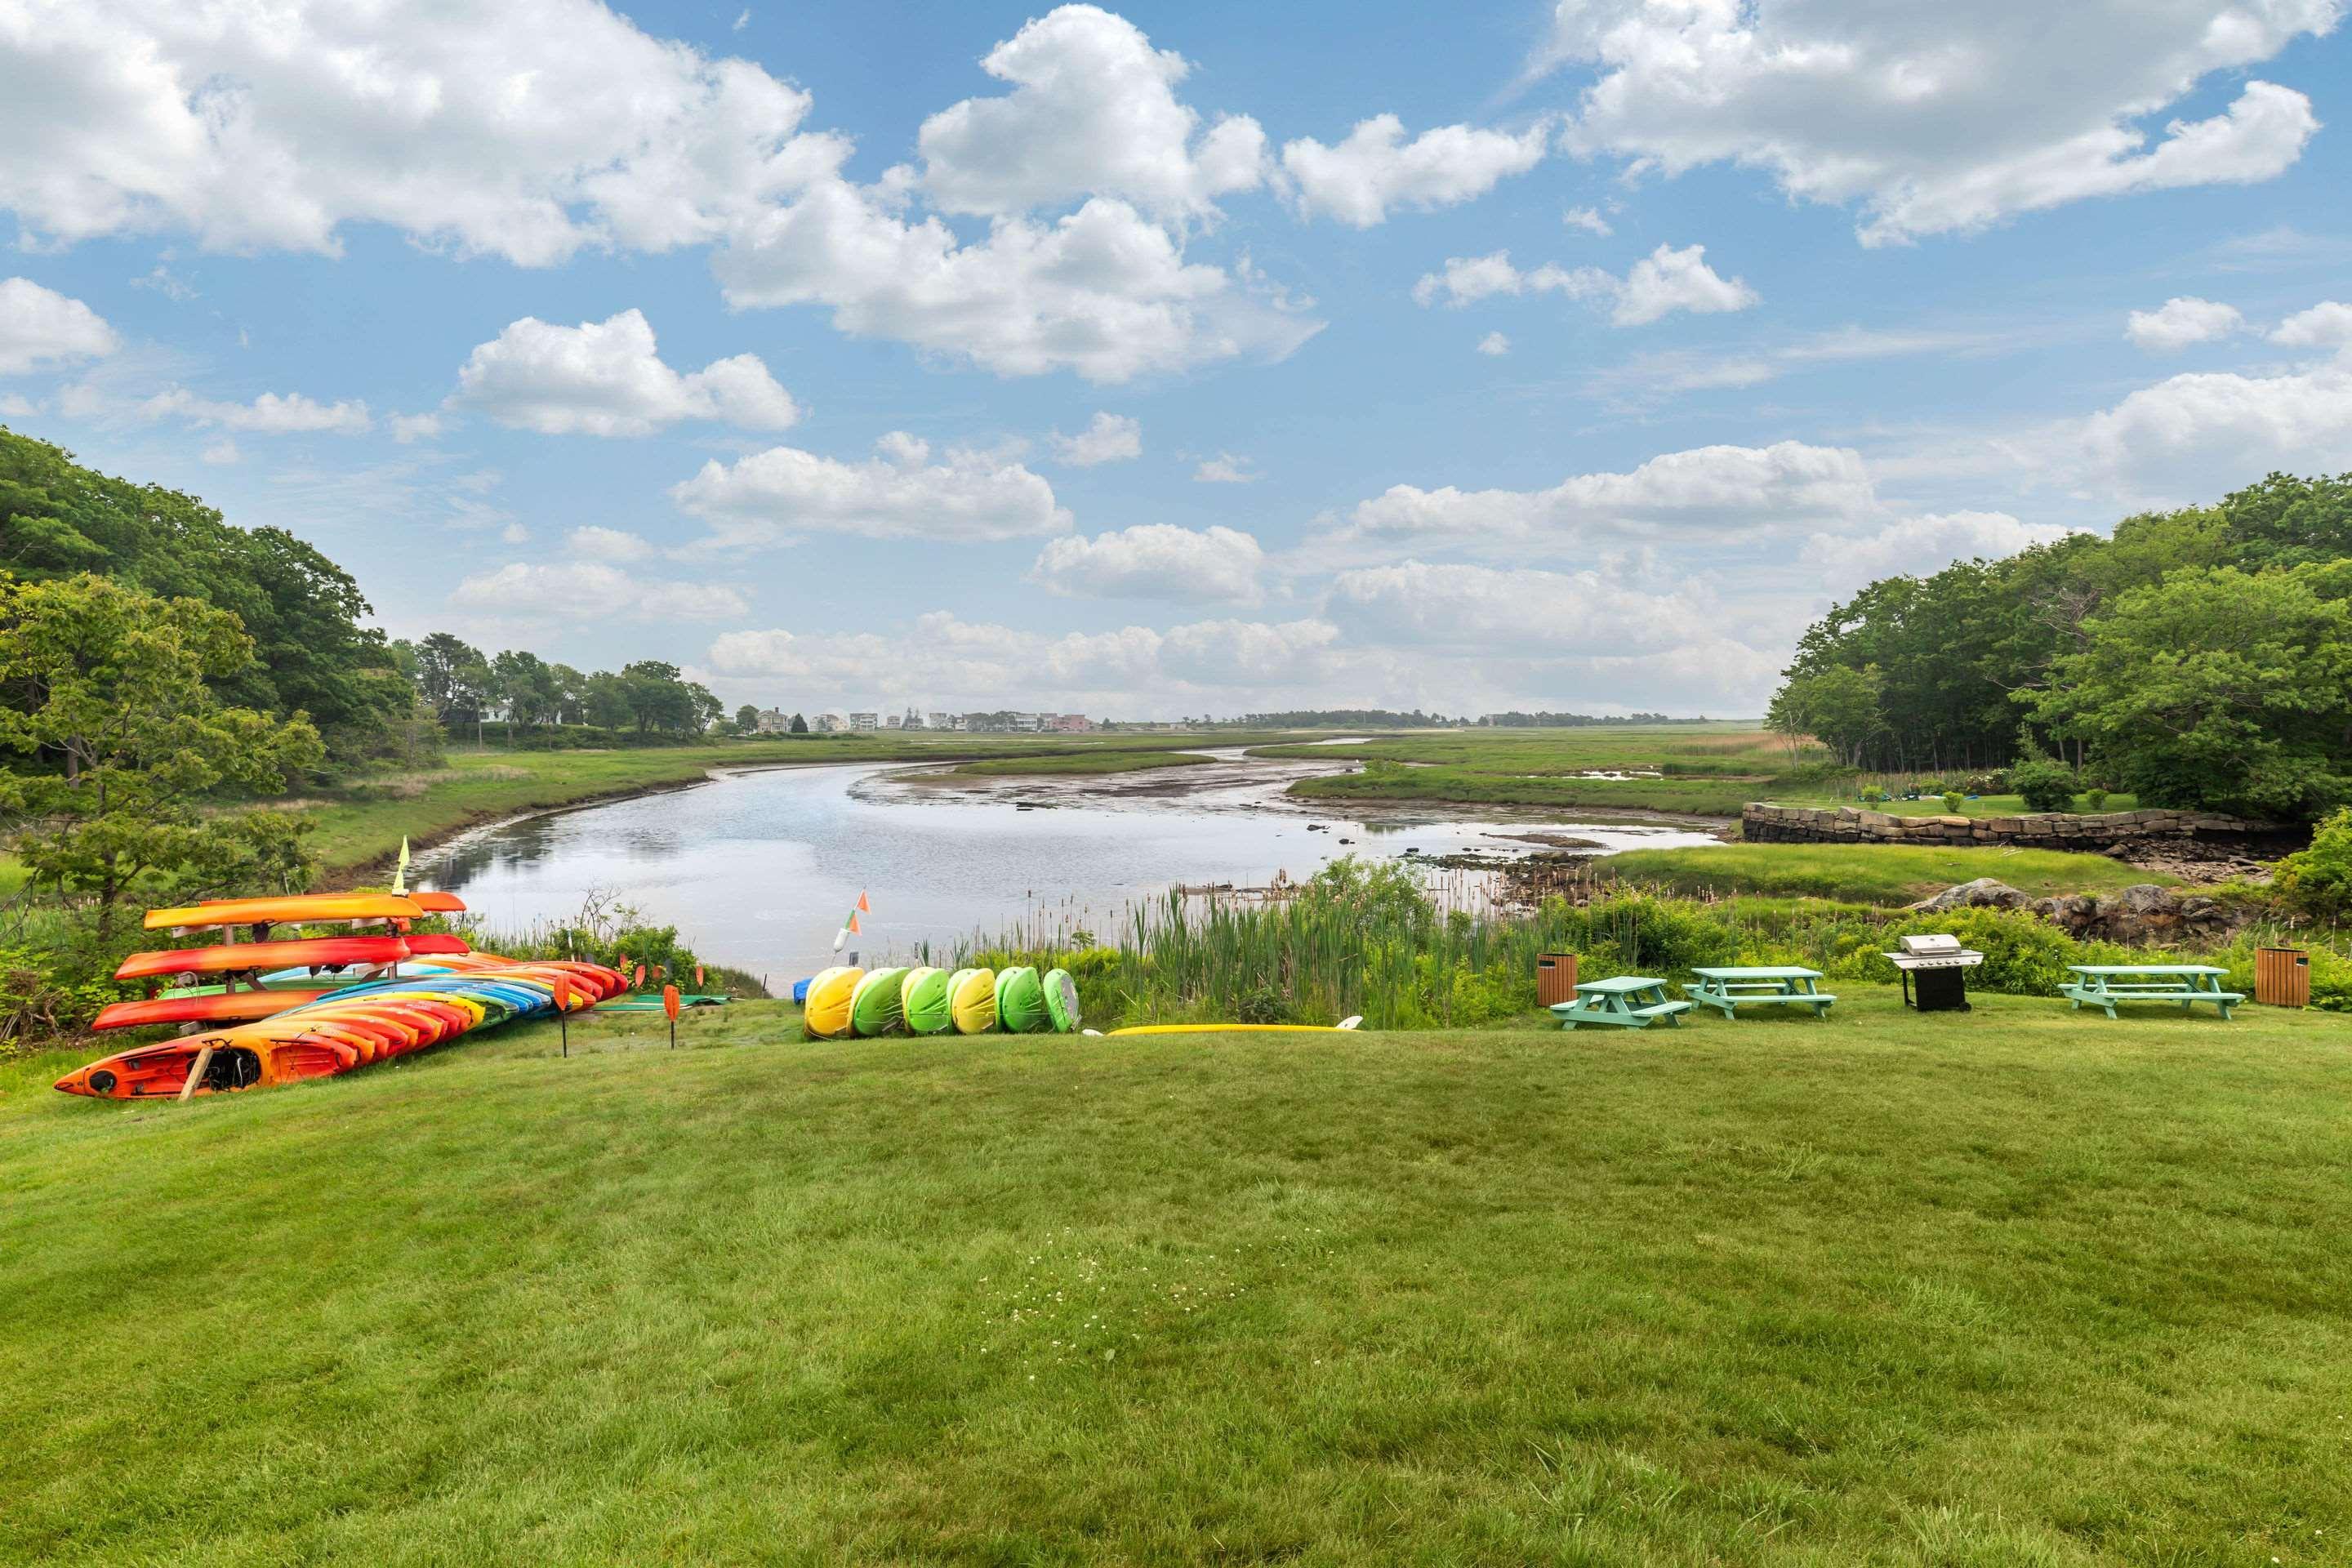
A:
[971,1000]
[1021,1002]
[210,1007]
[825,1015]
[239,957]
[927,1002]
[874,1005]
[301,909]
[434,904]
[1061,1000]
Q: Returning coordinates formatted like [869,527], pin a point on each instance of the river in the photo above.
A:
[759,868]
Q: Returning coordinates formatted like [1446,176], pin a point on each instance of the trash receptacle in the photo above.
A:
[2283,976]
[1555,978]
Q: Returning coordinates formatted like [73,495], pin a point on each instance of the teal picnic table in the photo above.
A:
[2102,985]
[1727,990]
[1630,1001]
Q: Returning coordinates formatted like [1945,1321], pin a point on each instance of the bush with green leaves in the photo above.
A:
[2317,881]
[2095,800]
[2043,784]
[1953,801]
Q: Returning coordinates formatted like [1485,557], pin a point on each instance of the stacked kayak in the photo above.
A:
[872,1003]
[232,981]
[346,1028]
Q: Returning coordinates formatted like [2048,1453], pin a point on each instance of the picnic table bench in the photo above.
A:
[2104,984]
[1727,990]
[1630,1001]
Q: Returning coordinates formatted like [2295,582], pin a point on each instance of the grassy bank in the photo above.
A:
[2014,1286]
[1933,806]
[1088,764]
[1869,873]
[1709,770]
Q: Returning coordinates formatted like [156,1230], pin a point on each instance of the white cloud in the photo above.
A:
[268,415]
[766,497]
[526,129]
[1662,282]
[2180,322]
[1153,560]
[514,534]
[608,543]
[1224,469]
[221,452]
[15,405]
[1936,119]
[743,19]
[1375,168]
[41,328]
[1109,439]
[2194,437]
[1481,610]
[605,378]
[1093,112]
[1495,344]
[1644,379]
[1590,221]
[2327,324]
[591,589]
[1102,292]
[1916,546]
[1667,281]
[407,428]
[1705,492]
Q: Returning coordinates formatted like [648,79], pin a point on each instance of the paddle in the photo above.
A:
[563,988]
[669,1005]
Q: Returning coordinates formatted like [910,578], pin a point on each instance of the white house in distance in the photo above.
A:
[865,723]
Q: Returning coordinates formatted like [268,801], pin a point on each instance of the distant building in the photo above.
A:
[865,722]
[1069,723]
[946,721]
[829,724]
[894,722]
[771,721]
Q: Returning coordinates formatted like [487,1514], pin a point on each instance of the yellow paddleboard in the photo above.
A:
[302,909]
[1345,1026]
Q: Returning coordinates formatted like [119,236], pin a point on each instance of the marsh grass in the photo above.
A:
[2017,1287]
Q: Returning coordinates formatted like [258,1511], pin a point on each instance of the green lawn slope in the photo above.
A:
[2019,1286]
[1870,873]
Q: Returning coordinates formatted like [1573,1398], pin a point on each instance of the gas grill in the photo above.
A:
[1937,961]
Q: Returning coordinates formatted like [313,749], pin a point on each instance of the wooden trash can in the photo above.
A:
[2283,976]
[1555,978]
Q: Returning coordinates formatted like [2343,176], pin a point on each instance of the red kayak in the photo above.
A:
[237,957]
[436,946]
[215,1007]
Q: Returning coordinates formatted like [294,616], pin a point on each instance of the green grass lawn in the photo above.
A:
[1084,764]
[1871,873]
[2017,1287]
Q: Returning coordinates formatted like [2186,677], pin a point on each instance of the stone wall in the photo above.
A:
[2096,833]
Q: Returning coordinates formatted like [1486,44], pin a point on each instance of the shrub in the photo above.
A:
[1953,801]
[2317,881]
[2043,785]
[1872,794]
[2095,800]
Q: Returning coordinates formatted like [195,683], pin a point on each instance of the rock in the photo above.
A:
[1984,893]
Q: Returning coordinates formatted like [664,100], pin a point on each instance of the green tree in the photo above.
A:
[108,697]
[2220,689]
[800,725]
[604,699]
[1840,707]
[747,719]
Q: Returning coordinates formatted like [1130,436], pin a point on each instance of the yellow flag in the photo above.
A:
[400,872]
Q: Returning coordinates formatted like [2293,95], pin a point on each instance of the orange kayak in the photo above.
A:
[236,957]
[430,946]
[439,903]
[300,909]
[215,1007]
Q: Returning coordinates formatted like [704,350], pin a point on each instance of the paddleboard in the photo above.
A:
[1345,1026]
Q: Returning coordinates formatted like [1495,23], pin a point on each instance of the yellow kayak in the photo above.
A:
[301,909]
[1345,1026]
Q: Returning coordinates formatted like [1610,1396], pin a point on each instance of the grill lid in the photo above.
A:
[1931,946]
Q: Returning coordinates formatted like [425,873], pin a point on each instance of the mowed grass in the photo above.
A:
[1870,873]
[2019,1286]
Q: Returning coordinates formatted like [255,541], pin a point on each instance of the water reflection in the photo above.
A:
[758,870]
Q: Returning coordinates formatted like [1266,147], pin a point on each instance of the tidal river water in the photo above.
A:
[758,870]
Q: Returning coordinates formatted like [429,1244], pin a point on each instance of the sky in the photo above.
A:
[1180,359]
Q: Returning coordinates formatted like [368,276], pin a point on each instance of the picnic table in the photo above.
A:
[1729,989]
[2104,984]
[1630,1001]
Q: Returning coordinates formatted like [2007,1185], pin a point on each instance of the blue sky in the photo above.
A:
[1177,359]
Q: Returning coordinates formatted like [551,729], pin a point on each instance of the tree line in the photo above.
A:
[465,687]
[2196,657]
